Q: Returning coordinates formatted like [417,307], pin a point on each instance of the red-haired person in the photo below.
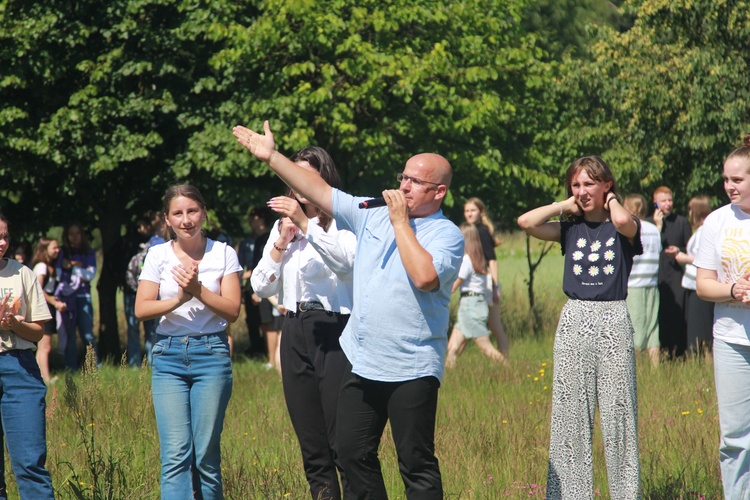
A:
[675,233]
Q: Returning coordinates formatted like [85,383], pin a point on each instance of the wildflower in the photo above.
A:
[545,388]
[700,412]
[686,413]
[505,421]
[536,379]
[544,364]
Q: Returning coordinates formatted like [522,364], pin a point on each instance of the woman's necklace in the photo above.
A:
[596,238]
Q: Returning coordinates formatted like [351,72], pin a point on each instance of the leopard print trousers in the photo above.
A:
[594,362]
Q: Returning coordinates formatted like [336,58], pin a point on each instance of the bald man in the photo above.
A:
[408,256]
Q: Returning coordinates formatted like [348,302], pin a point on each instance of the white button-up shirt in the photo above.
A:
[317,266]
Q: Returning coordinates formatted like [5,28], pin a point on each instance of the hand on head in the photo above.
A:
[261,146]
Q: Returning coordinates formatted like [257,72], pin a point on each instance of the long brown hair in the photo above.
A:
[41,255]
[698,209]
[320,160]
[485,218]
[473,248]
[85,245]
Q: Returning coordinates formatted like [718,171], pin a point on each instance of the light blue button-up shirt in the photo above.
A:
[397,332]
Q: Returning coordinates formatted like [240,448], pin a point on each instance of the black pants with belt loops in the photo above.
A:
[312,366]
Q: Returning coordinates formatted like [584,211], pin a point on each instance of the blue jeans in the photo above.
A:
[732,376]
[135,357]
[85,325]
[22,408]
[191,385]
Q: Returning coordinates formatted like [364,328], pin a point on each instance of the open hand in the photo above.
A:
[261,146]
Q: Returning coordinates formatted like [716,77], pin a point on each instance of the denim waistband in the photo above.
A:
[161,336]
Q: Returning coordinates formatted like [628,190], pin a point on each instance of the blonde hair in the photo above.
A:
[484,217]
[473,248]
[636,205]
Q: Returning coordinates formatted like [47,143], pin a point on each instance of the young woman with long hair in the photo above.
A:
[45,256]
[23,312]
[308,262]
[594,358]
[473,308]
[475,212]
[192,283]
[723,263]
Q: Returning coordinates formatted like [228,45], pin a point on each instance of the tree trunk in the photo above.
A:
[110,223]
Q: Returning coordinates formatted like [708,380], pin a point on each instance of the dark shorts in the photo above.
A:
[266,311]
[50,326]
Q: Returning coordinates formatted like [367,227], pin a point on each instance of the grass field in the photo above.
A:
[492,430]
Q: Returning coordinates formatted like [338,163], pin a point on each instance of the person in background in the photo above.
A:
[23,312]
[45,256]
[408,255]
[723,264]
[150,229]
[594,357]
[308,262]
[475,213]
[260,220]
[22,253]
[473,307]
[699,313]
[643,283]
[192,284]
[675,233]
[76,267]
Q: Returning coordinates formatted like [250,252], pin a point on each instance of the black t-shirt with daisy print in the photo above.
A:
[598,260]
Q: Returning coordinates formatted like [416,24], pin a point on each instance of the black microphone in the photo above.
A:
[372,203]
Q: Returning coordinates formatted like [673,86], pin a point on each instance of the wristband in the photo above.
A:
[731,292]
[558,206]
[282,250]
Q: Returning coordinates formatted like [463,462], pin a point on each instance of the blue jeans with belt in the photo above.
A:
[22,408]
[191,385]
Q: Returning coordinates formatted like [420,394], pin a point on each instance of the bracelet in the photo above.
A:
[731,292]
[558,206]
[609,200]
[282,250]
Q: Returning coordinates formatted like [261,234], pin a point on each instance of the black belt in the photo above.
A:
[312,305]
[472,294]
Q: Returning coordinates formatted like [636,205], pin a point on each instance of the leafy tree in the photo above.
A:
[375,82]
[664,101]
[98,100]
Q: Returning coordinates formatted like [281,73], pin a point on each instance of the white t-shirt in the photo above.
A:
[693,244]
[192,317]
[645,271]
[21,283]
[725,248]
[472,280]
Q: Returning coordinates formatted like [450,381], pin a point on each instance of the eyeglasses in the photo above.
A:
[414,181]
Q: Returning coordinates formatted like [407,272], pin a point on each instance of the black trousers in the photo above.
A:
[364,408]
[252,319]
[313,365]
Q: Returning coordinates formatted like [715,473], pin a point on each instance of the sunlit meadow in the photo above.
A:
[492,429]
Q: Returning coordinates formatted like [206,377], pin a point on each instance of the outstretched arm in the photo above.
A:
[308,184]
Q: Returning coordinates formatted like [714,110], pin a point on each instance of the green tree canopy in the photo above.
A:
[664,101]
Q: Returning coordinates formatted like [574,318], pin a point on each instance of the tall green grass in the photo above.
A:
[492,428]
